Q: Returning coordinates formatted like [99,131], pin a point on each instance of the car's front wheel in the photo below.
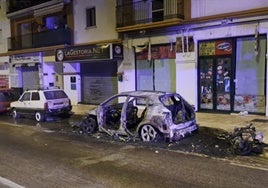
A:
[39,116]
[148,133]
[14,113]
[88,125]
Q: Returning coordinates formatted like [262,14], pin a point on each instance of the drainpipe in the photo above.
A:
[149,50]
[187,40]
[182,42]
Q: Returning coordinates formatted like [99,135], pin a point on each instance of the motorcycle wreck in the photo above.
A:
[244,140]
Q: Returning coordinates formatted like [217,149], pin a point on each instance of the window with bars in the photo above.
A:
[91,17]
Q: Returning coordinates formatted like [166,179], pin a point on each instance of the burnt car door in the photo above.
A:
[109,113]
[121,114]
[133,113]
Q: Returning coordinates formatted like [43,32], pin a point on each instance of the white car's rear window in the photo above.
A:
[58,94]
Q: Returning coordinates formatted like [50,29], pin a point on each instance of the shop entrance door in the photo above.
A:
[215,86]
[232,78]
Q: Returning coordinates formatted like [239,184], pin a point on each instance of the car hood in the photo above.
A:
[14,103]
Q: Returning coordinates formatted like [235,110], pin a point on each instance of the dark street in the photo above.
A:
[53,155]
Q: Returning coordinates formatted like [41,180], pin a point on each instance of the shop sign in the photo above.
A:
[222,47]
[117,51]
[89,52]
[25,59]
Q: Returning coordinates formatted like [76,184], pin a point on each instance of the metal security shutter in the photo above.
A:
[99,81]
[30,77]
[97,89]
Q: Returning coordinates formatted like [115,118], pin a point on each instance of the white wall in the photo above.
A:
[186,77]
[48,74]
[105,21]
[212,7]
[127,66]
[72,70]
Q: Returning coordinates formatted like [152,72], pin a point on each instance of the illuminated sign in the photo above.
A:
[207,48]
[90,52]
[222,47]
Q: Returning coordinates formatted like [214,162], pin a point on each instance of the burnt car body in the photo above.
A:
[145,114]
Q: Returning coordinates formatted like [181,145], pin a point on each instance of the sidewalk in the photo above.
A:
[221,121]
[229,121]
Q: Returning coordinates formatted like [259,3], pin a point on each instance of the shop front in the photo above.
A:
[156,68]
[25,71]
[90,72]
[231,75]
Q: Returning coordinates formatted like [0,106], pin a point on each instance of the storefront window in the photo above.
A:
[223,83]
[206,83]
[144,75]
[250,75]
[156,75]
[158,72]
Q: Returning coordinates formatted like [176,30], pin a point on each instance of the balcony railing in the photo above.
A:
[142,12]
[41,39]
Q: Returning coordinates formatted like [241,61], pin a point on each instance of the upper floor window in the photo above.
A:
[157,10]
[3,67]
[91,16]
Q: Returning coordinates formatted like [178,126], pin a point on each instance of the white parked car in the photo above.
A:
[41,103]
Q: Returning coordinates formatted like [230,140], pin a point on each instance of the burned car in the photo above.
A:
[146,114]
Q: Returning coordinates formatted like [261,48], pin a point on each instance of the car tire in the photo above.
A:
[88,125]
[14,113]
[39,116]
[148,133]
[242,147]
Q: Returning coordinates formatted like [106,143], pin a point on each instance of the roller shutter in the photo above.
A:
[99,81]
[30,77]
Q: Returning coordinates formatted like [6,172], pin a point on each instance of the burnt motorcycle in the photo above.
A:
[245,140]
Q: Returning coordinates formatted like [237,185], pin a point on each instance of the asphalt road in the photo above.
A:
[33,155]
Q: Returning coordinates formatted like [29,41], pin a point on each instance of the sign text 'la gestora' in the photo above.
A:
[86,53]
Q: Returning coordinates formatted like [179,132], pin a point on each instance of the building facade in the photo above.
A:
[220,63]
[211,52]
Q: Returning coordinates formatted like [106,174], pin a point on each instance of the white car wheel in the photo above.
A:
[14,113]
[39,116]
[148,133]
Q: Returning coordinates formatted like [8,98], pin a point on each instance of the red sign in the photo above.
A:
[223,47]
[166,51]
